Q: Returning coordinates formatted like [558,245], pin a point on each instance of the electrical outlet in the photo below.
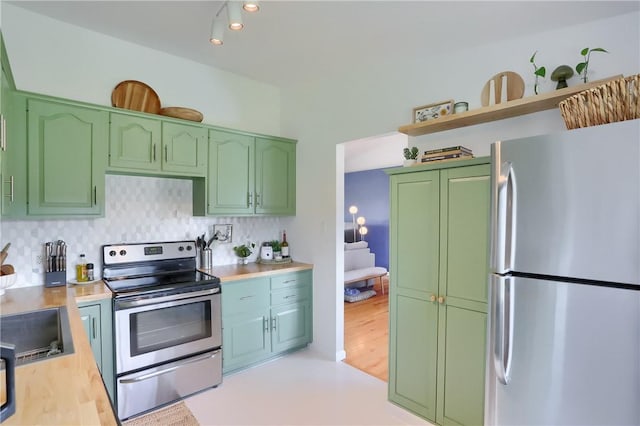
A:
[37,262]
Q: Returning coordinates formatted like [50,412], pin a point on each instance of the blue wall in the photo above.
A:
[369,191]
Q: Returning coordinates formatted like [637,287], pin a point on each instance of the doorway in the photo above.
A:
[365,327]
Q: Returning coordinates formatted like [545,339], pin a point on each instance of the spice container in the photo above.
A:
[460,107]
[90,275]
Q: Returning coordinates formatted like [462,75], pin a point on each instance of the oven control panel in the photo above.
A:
[143,252]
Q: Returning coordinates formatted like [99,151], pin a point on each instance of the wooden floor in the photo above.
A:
[366,333]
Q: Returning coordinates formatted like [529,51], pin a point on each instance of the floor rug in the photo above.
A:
[177,414]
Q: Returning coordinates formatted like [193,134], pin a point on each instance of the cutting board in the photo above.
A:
[507,80]
[180,112]
[136,96]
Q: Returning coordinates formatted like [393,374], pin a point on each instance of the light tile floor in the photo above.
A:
[299,389]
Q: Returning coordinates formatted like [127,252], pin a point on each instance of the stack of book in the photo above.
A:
[447,154]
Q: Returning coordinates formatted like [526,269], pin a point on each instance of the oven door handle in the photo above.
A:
[142,377]
[125,304]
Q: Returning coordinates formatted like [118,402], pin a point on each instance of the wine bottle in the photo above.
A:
[284,247]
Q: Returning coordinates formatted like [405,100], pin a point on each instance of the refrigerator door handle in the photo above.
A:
[504,225]
[502,326]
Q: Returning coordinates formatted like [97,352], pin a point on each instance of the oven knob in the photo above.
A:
[112,253]
[180,248]
[189,248]
[123,252]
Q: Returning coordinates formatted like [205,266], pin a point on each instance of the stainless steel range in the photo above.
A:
[167,324]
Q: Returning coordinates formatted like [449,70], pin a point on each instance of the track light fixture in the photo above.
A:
[234,18]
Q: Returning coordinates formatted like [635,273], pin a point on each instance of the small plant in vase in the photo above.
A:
[537,71]
[410,156]
[243,251]
[583,67]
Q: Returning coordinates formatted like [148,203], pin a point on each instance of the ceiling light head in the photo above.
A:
[217,32]
[251,6]
[353,209]
[234,13]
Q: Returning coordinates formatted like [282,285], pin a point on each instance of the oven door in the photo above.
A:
[150,331]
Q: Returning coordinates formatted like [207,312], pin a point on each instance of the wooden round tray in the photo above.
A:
[136,96]
[180,112]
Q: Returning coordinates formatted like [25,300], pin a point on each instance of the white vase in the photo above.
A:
[409,163]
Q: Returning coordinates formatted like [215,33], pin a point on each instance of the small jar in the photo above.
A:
[90,275]
[459,107]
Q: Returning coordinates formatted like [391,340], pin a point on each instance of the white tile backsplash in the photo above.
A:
[138,209]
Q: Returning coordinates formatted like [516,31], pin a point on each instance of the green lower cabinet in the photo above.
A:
[261,319]
[97,318]
[439,232]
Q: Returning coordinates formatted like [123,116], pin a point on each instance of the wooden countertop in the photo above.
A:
[66,390]
[228,273]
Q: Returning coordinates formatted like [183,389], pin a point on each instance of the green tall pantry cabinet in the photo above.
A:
[439,232]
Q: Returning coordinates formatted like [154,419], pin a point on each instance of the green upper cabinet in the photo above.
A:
[231,173]
[275,174]
[66,149]
[134,142]
[153,146]
[249,175]
[439,232]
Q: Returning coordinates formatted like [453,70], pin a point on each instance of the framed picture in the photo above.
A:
[222,233]
[432,111]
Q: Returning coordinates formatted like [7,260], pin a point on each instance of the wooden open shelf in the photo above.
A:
[490,113]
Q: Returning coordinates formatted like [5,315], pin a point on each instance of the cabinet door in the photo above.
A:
[414,263]
[14,157]
[463,284]
[275,188]
[290,326]
[90,316]
[134,143]
[245,339]
[184,149]
[67,158]
[231,173]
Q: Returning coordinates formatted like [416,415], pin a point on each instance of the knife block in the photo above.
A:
[55,279]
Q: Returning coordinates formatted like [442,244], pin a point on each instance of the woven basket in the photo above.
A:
[616,100]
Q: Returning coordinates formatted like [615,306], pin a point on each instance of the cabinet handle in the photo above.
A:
[166,154]
[93,321]
[441,300]
[246,297]
[10,182]
[154,152]
[432,298]
[95,195]
[288,281]
[289,296]
[266,324]
[257,199]
[3,135]
[273,323]
[250,199]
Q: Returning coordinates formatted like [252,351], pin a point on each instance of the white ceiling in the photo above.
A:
[292,41]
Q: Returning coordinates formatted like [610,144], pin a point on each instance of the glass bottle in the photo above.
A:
[284,247]
[81,269]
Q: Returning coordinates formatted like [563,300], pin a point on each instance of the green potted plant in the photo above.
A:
[277,249]
[410,156]
[243,251]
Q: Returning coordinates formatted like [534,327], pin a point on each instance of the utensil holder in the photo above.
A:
[55,279]
[206,258]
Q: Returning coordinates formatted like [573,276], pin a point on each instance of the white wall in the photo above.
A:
[58,59]
[375,101]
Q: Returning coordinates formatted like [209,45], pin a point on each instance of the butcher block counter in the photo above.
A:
[65,390]
[228,273]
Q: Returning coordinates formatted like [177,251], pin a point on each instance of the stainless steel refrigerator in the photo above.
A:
[564,289]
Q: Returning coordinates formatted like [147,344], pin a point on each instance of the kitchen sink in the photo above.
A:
[38,335]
